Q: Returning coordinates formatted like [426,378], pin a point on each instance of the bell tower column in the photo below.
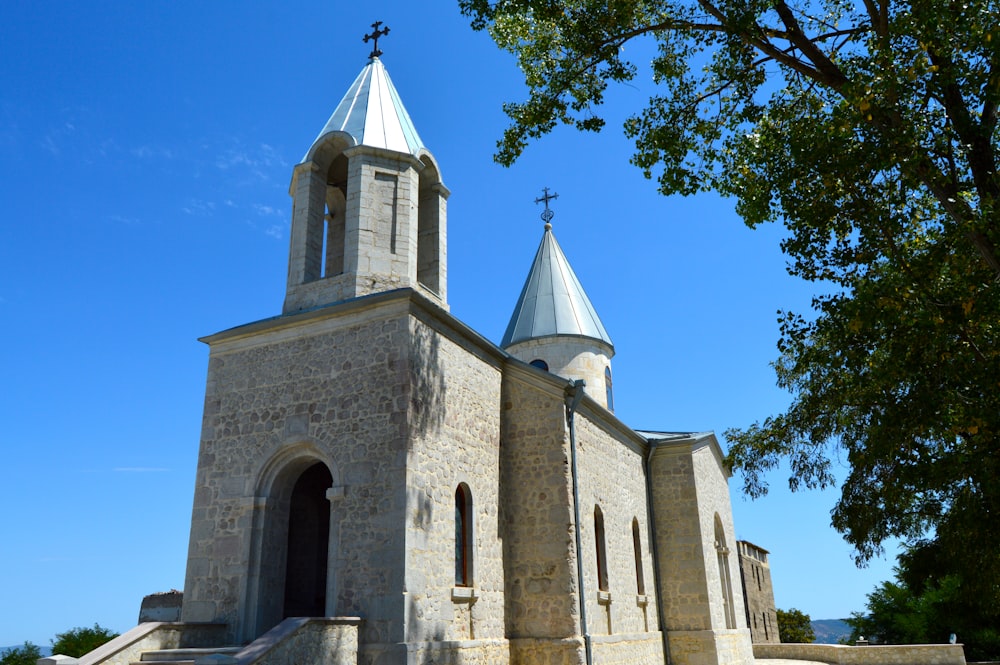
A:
[308,195]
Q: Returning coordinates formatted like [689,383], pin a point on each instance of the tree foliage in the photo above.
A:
[869,129]
[925,604]
[26,654]
[79,641]
[795,626]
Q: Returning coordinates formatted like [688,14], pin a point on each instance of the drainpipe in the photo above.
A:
[574,393]
[655,550]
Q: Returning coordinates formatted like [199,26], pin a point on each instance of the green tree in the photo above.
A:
[79,641]
[795,626]
[869,129]
[925,604]
[22,655]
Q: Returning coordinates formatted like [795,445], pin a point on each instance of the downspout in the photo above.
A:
[650,447]
[574,393]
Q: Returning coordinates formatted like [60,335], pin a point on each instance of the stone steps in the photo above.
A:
[183,656]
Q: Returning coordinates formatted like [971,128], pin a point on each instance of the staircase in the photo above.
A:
[183,656]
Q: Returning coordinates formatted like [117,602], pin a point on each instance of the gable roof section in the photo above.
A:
[373,113]
[552,301]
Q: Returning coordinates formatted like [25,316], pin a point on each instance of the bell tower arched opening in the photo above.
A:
[430,229]
[334,219]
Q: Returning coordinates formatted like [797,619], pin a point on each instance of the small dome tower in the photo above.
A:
[369,207]
[554,325]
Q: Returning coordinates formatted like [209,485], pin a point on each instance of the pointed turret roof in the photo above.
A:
[373,113]
[552,301]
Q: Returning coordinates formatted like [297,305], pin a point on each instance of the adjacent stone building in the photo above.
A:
[758,594]
[366,454]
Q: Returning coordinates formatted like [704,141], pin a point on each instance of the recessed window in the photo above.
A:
[602,554]
[607,388]
[640,582]
[464,542]
[540,364]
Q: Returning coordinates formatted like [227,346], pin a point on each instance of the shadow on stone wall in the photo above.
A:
[427,381]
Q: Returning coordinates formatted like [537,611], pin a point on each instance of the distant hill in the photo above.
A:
[830,631]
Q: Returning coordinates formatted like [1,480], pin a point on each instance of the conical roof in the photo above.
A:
[552,301]
[373,113]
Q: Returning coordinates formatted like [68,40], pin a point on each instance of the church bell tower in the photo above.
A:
[369,207]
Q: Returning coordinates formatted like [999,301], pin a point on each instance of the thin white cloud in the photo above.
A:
[266,210]
[199,208]
[274,231]
[149,152]
[122,219]
[49,144]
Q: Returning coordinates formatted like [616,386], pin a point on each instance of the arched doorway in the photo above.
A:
[308,544]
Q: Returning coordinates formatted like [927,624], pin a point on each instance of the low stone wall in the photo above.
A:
[882,654]
[128,647]
[305,640]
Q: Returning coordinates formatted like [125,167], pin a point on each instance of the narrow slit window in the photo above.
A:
[602,554]
[640,582]
[607,387]
[464,544]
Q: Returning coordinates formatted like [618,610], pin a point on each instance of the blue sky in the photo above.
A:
[145,153]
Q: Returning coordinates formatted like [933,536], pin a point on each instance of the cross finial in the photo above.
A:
[376,33]
[547,215]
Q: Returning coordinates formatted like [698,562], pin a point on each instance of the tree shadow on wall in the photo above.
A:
[427,381]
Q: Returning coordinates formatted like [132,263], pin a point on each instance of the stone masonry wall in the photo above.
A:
[542,610]
[331,386]
[690,495]
[455,438]
[611,476]
[683,581]
[714,504]
[758,593]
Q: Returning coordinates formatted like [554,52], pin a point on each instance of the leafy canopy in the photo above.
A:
[795,626]
[79,641]
[26,654]
[926,604]
[869,129]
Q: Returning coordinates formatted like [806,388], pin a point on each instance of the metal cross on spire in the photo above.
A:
[547,215]
[376,33]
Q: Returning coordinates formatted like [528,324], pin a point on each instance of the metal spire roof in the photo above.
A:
[552,301]
[373,114]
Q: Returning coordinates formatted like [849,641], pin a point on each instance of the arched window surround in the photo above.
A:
[725,578]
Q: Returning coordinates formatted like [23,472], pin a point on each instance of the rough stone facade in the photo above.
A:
[365,454]
[758,593]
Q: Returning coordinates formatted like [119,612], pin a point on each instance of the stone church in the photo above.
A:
[379,483]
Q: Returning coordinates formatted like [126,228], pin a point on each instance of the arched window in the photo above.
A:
[607,388]
[464,541]
[722,552]
[640,582]
[602,554]
[540,364]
